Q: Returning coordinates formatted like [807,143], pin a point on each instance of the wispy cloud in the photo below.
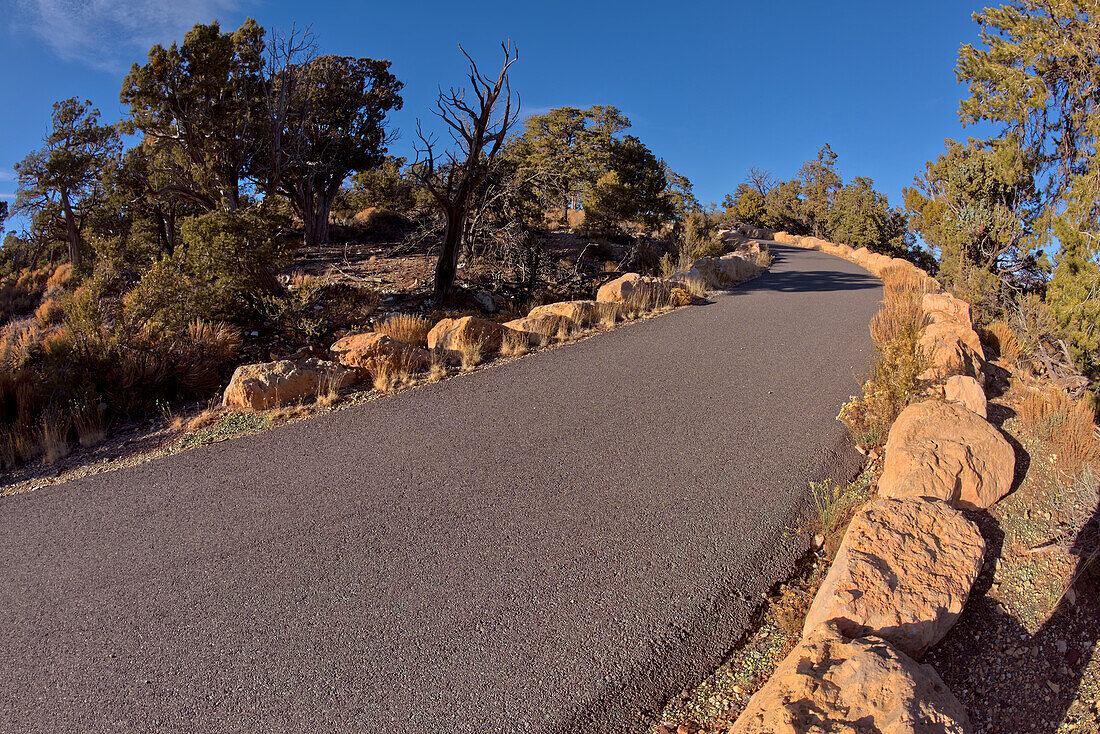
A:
[6,175]
[111,34]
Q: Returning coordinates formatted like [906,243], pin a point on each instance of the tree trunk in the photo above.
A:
[315,207]
[565,212]
[72,233]
[446,268]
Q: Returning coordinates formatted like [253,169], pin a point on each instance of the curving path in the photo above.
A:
[556,544]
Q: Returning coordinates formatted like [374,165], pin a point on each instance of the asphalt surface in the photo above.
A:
[555,544]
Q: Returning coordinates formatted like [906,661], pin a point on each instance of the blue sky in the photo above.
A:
[713,88]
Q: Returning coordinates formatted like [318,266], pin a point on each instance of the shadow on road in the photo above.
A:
[810,281]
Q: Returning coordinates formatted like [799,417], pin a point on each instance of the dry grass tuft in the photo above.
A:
[54,437]
[328,391]
[680,297]
[406,328]
[516,343]
[210,414]
[899,318]
[216,341]
[88,421]
[644,299]
[1067,426]
[696,287]
[437,368]
[608,315]
[1003,339]
[761,259]
[471,349]
[390,371]
[906,282]
[61,276]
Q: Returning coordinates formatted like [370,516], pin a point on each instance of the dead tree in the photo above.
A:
[453,178]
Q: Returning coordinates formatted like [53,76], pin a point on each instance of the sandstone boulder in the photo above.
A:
[944,451]
[903,573]
[967,392]
[583,312]
[452,335]
[270,384]
[944,306]
[357,351]
[633,286]
[830,683]
[544,325]
[618,290]
[951,348]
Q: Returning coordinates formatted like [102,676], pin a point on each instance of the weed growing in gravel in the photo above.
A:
[836,505]
[230,426]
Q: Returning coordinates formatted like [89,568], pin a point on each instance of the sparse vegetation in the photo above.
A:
[897,362]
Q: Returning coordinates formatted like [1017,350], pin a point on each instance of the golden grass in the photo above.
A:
[61,276]
[515,343]
[680,297]
[328,390]
[762,259]
[893,380]
[54,437]
[50,311]
[437,368]
[470,348]
[1003,339]
[1067,426]
[696,287]
[608,314]
[390,371]
[906,282]
[406,328]
[88,421]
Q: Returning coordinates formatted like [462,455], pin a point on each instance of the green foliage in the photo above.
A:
[386,186]
[203,99]
[232,254]
[167,296]
[862,217]
[750,206]
[59,184]
[1074,295]
[820,184]
[331,118]
[784,207]
[699,237]
[633,191]
[976,204]
[565,152]
[1033,76]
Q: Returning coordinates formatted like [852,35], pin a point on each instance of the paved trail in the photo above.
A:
[556,544]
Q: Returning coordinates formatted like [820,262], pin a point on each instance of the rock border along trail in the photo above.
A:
[559,543]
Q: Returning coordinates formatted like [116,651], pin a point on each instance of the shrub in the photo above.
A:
[166,295]
[233,254]
[700,237]
[314,309]
[836,505]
